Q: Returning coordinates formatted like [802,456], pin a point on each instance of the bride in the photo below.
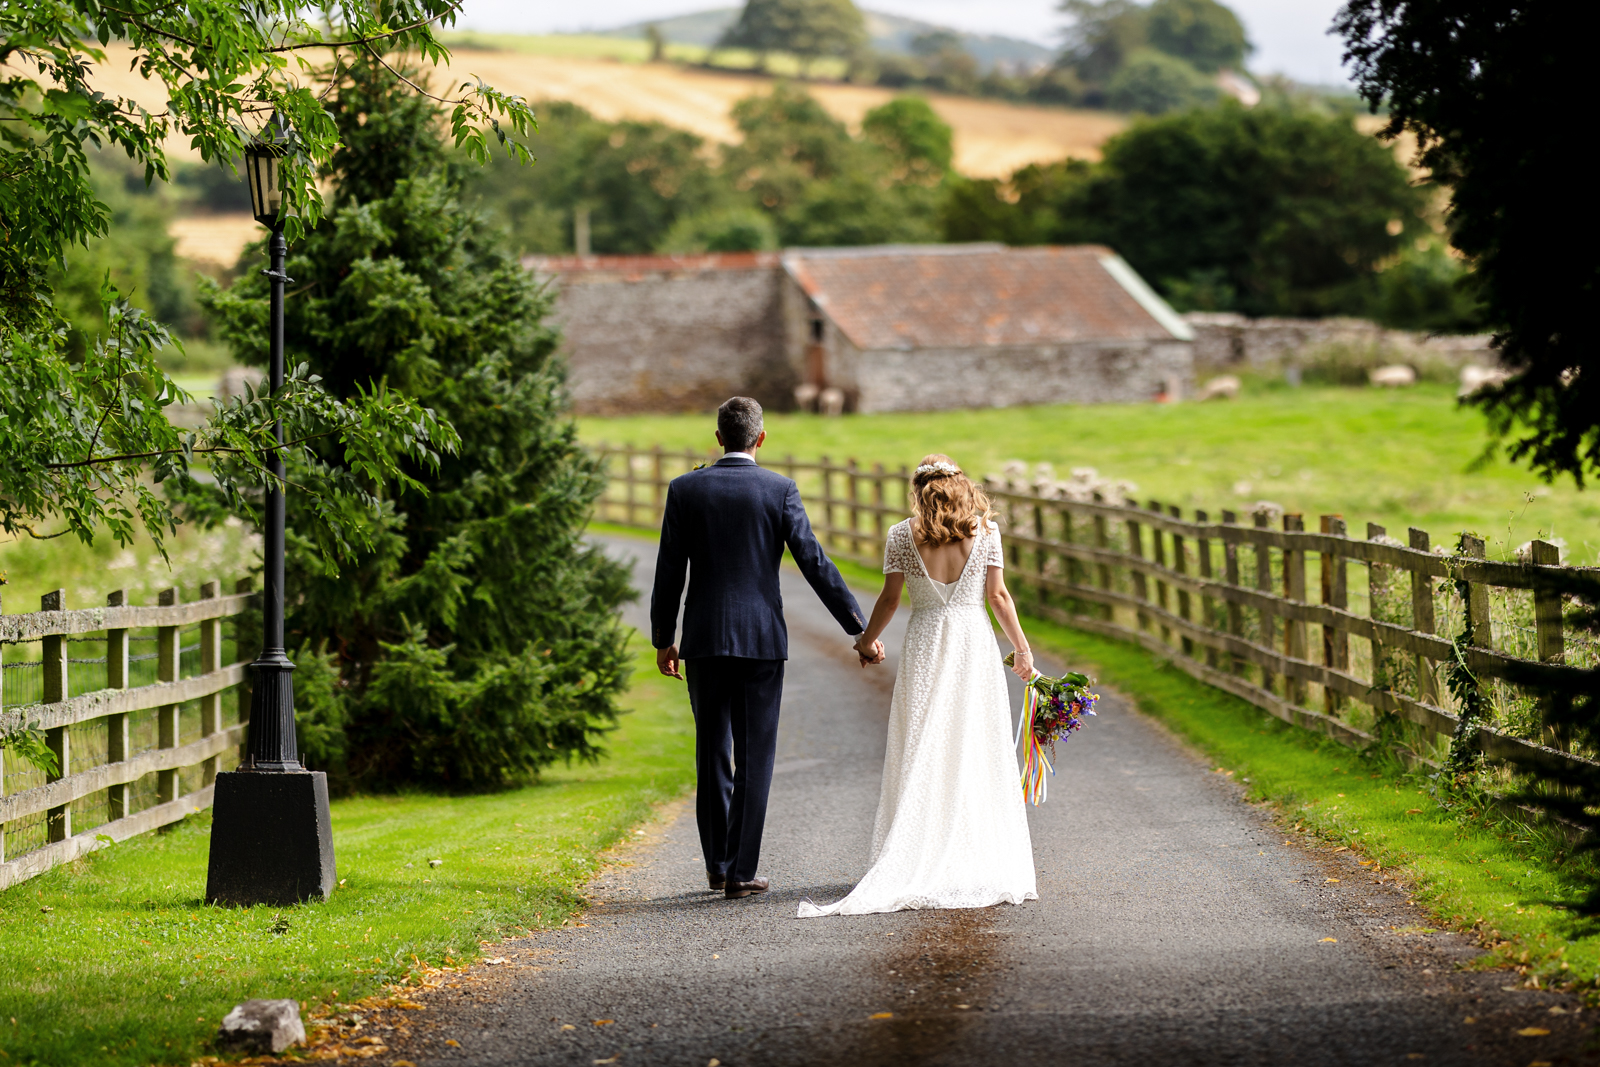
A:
[951,830]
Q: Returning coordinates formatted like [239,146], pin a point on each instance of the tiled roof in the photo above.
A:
[981,295]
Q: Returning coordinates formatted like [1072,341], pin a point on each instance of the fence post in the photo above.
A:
[58,820]
[853,482]
[210,662]
[1377,600]
[1422,619]
[1102,540]
[1294,588]
[1230,574]
[1269,631]
[118,747]
[1202,551]
[658,484]
[1040,556]
[167,661]
[628,484]
[1180,563]
[1158,555]
[826,466]
[1478,596]
[1550,642]
[878,478]
[1335,642]
[1141,590]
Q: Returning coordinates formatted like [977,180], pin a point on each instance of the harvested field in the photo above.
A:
[992,138]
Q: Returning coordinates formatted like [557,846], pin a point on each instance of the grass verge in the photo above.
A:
[1507,885]
[116,959]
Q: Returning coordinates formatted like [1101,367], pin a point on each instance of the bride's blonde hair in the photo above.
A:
[947,504]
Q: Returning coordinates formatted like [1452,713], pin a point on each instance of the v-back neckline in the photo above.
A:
[943,588]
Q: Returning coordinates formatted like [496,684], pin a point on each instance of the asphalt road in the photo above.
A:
[1175,926]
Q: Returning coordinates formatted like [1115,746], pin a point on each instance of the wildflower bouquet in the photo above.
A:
[1052,710]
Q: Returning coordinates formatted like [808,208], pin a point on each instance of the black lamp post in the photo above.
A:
[271,838]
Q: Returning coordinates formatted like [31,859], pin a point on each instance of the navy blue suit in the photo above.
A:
[727,526]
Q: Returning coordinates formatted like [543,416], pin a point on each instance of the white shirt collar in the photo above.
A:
[739,455]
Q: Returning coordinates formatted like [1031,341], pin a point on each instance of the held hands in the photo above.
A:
[869,653]
[667,662]
[1022,664]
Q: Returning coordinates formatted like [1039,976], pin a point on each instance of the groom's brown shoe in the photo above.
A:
[718,883]
[735,890]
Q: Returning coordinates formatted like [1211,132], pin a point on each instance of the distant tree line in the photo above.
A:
[1283,209]
[1120,54]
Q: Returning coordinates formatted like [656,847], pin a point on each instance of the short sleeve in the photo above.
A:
[895,547]
[993,556]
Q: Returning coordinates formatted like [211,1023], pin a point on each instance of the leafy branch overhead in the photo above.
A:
[85,436]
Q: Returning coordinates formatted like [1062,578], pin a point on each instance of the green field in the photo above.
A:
[116,959]
[1397,458]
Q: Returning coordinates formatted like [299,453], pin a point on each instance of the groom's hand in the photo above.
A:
[667,661]
[872,653]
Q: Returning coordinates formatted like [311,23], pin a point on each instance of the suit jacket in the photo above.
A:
[728,524]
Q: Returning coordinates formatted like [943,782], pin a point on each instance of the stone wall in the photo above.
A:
[1228,342]
[670,333]
[933,379]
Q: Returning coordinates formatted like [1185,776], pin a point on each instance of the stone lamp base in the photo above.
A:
[271,839]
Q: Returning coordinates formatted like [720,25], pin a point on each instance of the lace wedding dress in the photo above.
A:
[952,831]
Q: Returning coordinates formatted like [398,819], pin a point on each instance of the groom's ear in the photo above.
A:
[761,439]
[719,439]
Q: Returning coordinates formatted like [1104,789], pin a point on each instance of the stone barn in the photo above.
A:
[880,328]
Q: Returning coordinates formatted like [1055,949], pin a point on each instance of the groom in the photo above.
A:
[729,523]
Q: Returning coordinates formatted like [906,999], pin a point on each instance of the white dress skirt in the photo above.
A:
[952,829]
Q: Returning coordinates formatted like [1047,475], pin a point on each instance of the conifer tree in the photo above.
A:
[478,641]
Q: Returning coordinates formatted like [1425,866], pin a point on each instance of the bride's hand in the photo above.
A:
[1022,664]
[872,653]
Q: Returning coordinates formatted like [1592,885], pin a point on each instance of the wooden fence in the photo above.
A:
[139,736]
[1253,604]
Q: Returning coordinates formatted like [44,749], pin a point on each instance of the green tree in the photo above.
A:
[477,640]
[809,29]
[636,180]
[724,229]
[823,187]
[1153,83]
[84,437]
[1202,32]
[1101,36]
[1486,89]
[1268,211]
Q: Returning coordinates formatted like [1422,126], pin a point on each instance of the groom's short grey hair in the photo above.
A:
[739,423]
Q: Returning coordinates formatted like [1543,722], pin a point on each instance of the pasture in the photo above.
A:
[1395,458]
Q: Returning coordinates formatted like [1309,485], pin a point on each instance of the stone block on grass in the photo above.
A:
[262,1026]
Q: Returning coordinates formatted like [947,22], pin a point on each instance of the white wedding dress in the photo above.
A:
[952,831]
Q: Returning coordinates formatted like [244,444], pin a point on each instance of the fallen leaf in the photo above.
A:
[568,1026]
[613,1059]
[882,1015]
[1334,940]
[496,959]
[714,1062]
[1330,880]
[1413,811]
[715,956]
[1342,848]
[452,1042]
[604,1022]
[1556,1009]
[368,1041]
[963,1007]
[1469,1020]
[1532,1031]
[402,1063]
[1338,794]
[580,924]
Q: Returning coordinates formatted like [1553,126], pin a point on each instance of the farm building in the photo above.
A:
[878,328]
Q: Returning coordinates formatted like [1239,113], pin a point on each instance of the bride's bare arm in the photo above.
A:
[888,601]
[1005,611]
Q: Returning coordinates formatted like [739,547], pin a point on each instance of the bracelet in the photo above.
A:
[1024,651]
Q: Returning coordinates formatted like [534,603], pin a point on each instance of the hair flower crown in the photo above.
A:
[938,468]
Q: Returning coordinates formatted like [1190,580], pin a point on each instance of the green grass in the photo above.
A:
[1397,458]
[115,959]
[1508,886]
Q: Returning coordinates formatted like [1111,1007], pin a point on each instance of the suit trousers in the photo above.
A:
[735,705]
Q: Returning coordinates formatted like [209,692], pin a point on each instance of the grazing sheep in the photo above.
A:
[1393,376]
[1222,387]
[1475,377]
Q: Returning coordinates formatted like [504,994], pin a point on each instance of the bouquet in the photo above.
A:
[1052,710]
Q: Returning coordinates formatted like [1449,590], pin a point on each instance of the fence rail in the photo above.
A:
[1262,608]
[138,739]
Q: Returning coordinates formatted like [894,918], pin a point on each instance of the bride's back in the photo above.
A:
[944,563]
